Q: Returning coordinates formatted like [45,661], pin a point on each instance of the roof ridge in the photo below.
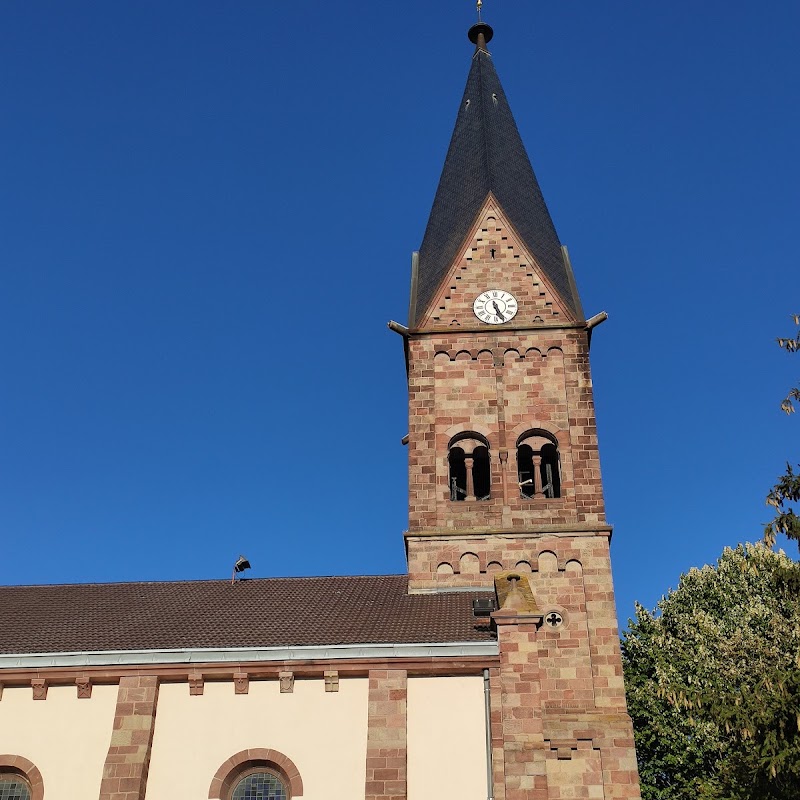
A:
[487,159]
[197,581]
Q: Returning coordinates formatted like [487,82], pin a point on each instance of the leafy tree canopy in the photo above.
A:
[713,682]
[787,489]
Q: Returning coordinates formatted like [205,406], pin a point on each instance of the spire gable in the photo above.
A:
[494,257]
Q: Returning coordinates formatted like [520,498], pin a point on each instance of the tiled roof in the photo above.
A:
[486,154]
[273,612]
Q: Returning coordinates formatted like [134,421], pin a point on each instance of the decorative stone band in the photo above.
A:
[566,530]
[103,658]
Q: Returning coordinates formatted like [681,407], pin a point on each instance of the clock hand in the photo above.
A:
[497,310]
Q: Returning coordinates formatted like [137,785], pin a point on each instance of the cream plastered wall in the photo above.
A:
[446,739]
[323,733]
[66,738]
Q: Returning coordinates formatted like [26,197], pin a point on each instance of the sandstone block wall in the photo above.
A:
[387,738]
[128,760]
[501,386]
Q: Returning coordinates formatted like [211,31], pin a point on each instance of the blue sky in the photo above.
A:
[207,216]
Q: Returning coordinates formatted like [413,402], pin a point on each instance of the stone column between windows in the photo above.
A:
[386,735]
[537,475]
[469,464]
[128,759]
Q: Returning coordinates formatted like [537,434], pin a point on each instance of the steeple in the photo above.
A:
[486,156]
[502,437]
[504,486]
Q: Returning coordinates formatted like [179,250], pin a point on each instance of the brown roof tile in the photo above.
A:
[273,612]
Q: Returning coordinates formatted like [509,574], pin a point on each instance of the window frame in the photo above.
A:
[9,777]
[257,759]
[557,485]
[466,462]
[256,770]
[19,767]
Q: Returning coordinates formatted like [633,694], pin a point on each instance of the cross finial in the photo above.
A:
[479,4]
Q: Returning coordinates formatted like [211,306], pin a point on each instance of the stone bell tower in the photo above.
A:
[504,471]
[503,449]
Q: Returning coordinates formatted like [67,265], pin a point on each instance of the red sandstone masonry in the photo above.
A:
[525,771]
[545,748]
[559,724]
[496,722]
[494,257]
[386,735]
[128,759]
[501,385]
[604,743]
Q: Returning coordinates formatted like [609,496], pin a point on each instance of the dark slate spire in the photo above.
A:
[486,154]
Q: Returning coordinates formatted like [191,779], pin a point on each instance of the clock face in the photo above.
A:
[495,306]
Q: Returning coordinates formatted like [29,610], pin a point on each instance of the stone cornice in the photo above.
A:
[558,530]
[261,661]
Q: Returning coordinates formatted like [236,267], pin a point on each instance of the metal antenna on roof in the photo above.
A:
[479,4]
[240,566]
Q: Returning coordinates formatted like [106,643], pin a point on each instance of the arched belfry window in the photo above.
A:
[538,465]
[470,476]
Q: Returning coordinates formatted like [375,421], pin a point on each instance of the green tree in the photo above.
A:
[787,489]
[713,682]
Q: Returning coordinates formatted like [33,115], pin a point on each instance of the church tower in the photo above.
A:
[503,455]
[504,472]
